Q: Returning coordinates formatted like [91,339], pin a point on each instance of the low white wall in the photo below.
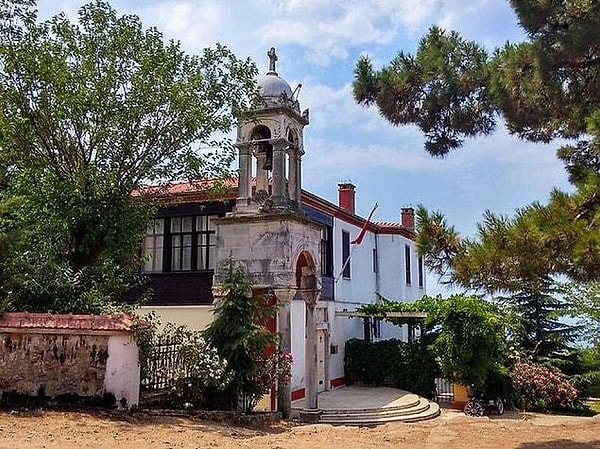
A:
[122,378]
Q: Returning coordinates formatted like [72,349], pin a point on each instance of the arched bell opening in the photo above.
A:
[263,153]
[261,135]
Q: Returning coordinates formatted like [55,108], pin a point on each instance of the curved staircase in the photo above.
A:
[364,406]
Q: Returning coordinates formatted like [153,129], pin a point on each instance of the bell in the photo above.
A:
[268,165]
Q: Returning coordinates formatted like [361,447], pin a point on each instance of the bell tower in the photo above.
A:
[266,230]
[270,148]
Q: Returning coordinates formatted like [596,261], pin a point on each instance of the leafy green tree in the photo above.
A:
[505,262]
[90,112]
[584,301]
[545,88]
[471,342]
[543,332]
[468,336]
[240,335]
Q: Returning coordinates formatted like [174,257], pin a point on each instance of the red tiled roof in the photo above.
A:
[191,186]
[388,224]
[25,320]
[197,191]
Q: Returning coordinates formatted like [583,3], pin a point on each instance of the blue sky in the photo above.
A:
[318,43]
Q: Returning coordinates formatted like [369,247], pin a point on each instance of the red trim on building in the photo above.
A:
[298,394]
[338,382]
[319,203]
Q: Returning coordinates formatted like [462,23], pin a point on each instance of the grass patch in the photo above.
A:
[594,405]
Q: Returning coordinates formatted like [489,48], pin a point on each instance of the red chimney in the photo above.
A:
[407,218]
[346,195]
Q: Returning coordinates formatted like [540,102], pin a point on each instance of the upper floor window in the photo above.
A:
[407,265]
[421,274]
[152,250]
[180,244]
[326,252]
[375,261]
[346,254]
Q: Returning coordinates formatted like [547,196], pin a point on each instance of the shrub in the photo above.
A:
[541,388]
[200,369]
[408,366]
[240,335]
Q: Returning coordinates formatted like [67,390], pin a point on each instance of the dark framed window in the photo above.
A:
[153,247]
[375,261]
[346,254]
[326,252]
[180,244]
[206,244]
[407,265]
[421,278]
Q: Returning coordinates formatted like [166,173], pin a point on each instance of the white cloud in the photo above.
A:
[327,31]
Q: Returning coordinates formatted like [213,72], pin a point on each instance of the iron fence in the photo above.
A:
[444,390]
[162,363]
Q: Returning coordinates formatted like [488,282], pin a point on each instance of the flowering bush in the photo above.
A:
[540,387]
[198,369]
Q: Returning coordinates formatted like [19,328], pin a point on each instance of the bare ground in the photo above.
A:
[452,430]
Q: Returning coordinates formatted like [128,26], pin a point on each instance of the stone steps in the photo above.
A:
[411,412]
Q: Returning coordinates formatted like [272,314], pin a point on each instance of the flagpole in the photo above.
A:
[357,241]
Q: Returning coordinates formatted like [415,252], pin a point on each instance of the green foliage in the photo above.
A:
[240,335]
[517,258]
[561,237]
[544,88]
[104,93]
[470,341]
[408,366]
[586,372]
[90,111]
[584,300]
[441,90]
[466,335]
[542,332]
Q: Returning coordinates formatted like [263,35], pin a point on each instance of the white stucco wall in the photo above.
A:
[298,319]
[195,317]
[122,377]
[361,288]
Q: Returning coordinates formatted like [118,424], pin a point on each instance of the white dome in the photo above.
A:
[273,86]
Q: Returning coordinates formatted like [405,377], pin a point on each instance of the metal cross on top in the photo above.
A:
[272,59]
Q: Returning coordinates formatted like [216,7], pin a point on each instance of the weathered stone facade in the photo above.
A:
[52,365]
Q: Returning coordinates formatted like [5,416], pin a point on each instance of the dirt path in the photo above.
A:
[452,430]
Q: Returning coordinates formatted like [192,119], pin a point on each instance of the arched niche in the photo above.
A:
[306,277]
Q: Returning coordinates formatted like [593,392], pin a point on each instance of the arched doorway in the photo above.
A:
[317,338]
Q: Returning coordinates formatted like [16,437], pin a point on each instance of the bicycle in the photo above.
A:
[478,403]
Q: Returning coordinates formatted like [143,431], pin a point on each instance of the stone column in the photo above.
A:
[262,177]
[244,188]
[293,175]
[310,294]
[279,194]
[299,154]
[284,327]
